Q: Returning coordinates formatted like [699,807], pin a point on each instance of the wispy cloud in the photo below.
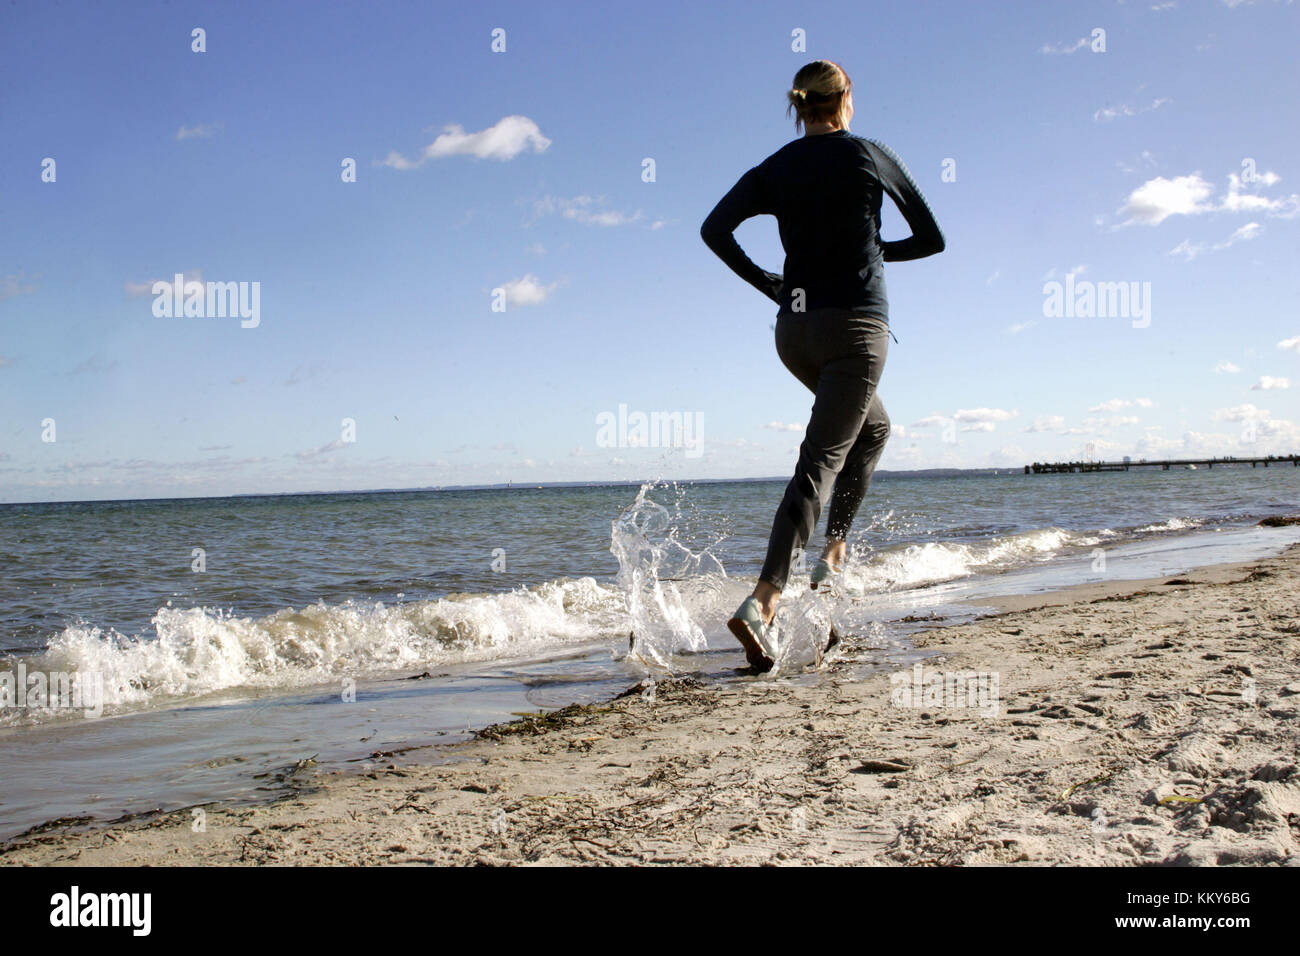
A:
[198,131]
[1240,413]
[1064,48]
[1115,404]
[1046,423]
[15,285]
[94,365]
[138,290]
[504,140]
[304,373]
[1108,113]
[1190,250]
[970,419]
[589,210]
[324,449]
[1076,271]
[1146,160]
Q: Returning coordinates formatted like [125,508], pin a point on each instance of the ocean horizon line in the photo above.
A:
[509,485]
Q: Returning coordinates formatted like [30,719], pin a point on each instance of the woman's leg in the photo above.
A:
[845,389]
[855,478]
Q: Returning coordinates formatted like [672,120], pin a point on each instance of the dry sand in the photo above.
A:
[1146,722]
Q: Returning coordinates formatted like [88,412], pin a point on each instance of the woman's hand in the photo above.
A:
[775,283]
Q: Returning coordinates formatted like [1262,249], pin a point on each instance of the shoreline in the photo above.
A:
[1138,722]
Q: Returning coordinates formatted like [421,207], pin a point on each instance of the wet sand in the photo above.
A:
[1135,723]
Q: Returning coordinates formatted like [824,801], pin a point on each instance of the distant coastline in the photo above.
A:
[509,486]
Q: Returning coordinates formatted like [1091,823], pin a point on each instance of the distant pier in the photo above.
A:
[1191,464]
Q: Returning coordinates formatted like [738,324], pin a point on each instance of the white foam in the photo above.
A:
[933,562]
[199,650]
[1173,524]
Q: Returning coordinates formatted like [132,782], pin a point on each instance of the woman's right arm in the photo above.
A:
[926,238]
[744,201]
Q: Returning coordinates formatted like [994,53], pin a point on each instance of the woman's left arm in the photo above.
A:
[744,201]
[926,238]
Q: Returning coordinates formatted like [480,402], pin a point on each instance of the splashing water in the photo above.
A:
[651,561]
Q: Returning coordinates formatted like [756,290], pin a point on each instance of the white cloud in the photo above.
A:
[1157,199]
[1076,271]
[138,289]
[199,131]
[584,209]
[1291,344]
[1240,413]
[1190,251]
[504,140]
[1226,368]
[325,449]
[1045,423]
[527,290]
[1268,383]
[1115,404]
[1238,201]
[984,415]
[1249,231]
[1109,113]
[1065,48]
[1101,426]
[784,427]
[930,421]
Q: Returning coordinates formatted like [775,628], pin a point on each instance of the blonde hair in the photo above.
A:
[820,94]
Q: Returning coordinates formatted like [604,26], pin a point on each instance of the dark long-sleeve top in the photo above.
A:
[825,191]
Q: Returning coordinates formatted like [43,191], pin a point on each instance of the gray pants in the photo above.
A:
[839,355]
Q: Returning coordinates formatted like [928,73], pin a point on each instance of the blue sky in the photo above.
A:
[522,171]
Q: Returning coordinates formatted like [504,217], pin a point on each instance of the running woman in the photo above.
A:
[832,329]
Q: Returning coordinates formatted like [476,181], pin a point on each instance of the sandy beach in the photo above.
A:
[1136,723]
